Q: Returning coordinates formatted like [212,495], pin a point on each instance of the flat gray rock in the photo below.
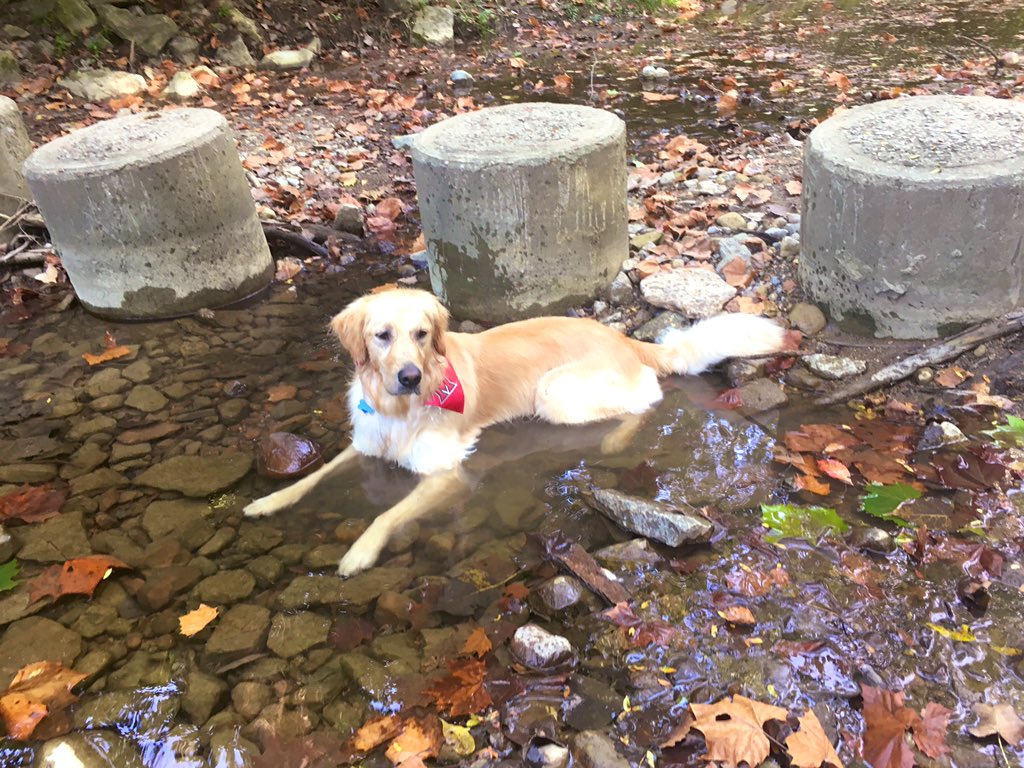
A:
[240,630]
[650,518]
[694,293]
[55,540]
[197,475]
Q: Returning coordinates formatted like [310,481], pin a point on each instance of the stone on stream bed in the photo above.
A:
[833,366]
[197,475]
[241,629]
[89,749]
[695,293]
[539,649]
[652,519]
[283,455]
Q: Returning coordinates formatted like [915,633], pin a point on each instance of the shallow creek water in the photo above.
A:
[294,651]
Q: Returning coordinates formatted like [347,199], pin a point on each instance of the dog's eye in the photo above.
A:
[384,336]
[421,335]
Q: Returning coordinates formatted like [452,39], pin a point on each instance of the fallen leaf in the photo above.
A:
[9,576]
[754,583]
[930,732]
[812,484]
[809,747]
[517,63]
[734,730]
[727,102]
[653,96]
[195,621]
[375,732]
[79,576]
[111,353]
[390,207]
[738,614]
[839,80]
[794,187]
[33,504]
[836,470]
[419,738]
[38,690]
[1000,720]
[886,722]
[462,692]
[478,643]
[953,376]
[563,83]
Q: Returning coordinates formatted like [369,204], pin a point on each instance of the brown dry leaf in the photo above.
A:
[887,721]
[79,576]
[839,80]
[809,747]
[836,470]
[477,643]
[38,690]
[953,376]
[420,738]
[195,621]
[375,732]
[33,504]
[390,207]
[819,438]
[563,83]
[734,730]
[517,63]
[930,732]
[738,614]
[813,485]
[1001,720]
[727,102]
[462,692]
[754,583]
[737,273]
[652,96]
[794,187]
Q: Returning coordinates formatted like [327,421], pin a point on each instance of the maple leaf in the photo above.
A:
[930,731]
[810,747]
[193,622]
[477,643]
[1000,720]
[886,722]
[419,739]
[734,730]
[836,470]
[38,690]
[79,576]
[33,504]
[462,692]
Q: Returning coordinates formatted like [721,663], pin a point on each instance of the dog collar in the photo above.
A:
[449,396]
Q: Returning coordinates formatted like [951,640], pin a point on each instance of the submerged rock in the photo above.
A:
[283,455]
[91,749]
[650,518]
[561,592]
[240,630]
[807,318]
[197,475]
[537,648]
[291,634]
[592,749]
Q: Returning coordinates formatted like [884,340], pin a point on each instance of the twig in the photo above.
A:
[938,353]
[593,67]
[996,62]
[295,238]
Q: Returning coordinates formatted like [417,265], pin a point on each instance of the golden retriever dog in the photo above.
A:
[421,395]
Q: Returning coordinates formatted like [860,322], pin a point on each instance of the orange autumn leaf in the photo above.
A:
[420,738]
[477,643]
[563,83]
[953,376]
[390,207]
[794,187]
[195,621]
[79,576]
[839,80]
[812,484]
[652,96]
[517,63]
[38,690]
[836,470]
[111,353]
[33,504]
[375,732]
[727,102]
[809,747]
[738,614]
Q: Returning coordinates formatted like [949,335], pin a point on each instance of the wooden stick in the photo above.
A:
[945,350]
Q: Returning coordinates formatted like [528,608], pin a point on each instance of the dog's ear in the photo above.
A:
[350,327]
[439,326]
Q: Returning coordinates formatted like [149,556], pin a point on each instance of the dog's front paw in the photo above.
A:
[362,555]
[268,505]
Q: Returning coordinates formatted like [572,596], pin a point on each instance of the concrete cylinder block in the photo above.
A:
[15,146]
[523,207]
[913,214]
[152,214]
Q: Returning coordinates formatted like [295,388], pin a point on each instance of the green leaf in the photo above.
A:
[882,501]
[1010,433]
[790,521]
[9,575]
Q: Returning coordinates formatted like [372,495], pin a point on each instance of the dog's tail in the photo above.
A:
[710,341]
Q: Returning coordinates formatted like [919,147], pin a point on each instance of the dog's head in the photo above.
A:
[396,339]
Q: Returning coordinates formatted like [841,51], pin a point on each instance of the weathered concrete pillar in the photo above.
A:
[523,207]
[913,214]
[14,148]
[152,214]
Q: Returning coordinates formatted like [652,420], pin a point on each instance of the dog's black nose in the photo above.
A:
[409,376]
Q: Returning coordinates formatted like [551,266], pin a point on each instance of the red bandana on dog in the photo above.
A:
[450,394]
